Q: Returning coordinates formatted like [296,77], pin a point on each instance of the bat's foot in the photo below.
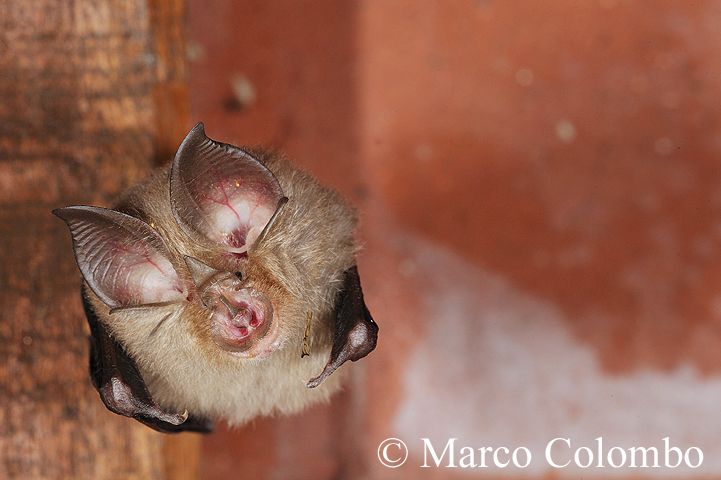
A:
[356,333]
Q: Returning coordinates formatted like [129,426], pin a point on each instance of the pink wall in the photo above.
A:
[540,190]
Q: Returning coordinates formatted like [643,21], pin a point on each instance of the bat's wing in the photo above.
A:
[121,387]
[355,333]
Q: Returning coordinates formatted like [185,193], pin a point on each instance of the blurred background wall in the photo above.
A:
[540,189]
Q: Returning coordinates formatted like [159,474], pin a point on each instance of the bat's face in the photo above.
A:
[241,318]
[201,250]
[224,199]
[222,202]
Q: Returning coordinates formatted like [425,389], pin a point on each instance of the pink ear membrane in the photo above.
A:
[221,193]
[122,259]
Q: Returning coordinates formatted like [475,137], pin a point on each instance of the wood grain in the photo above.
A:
[80,120]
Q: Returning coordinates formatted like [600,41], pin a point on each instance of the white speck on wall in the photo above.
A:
[507,372]
[243,90]
[194,51]
[423,152]
[524,77]
[407,267]
[663,146]
[565,131]
[648,201]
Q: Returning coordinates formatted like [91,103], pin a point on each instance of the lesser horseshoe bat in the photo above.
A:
[223,286]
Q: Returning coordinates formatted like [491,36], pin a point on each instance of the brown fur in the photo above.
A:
[299,265]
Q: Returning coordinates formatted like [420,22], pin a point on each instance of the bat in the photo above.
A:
[224,286]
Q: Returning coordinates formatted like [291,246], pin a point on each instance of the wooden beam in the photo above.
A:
[91,94]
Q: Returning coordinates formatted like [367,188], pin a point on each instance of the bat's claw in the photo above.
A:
[314,382]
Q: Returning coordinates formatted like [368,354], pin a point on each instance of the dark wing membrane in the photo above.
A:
[121,387]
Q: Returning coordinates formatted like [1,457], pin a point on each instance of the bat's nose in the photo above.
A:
[246,320]
[243,317]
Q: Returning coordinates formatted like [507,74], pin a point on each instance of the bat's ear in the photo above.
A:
[221,195]
[122,259]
